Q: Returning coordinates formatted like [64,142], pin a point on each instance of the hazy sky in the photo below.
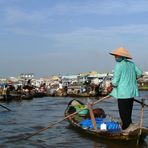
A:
[70,36]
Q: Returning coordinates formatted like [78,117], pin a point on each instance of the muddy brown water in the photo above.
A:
[32,115]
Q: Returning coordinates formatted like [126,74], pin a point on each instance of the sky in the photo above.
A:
[63,37]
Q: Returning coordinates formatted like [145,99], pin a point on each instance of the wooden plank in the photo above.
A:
[92,116]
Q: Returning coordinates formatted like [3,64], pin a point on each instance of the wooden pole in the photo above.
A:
[142,103]
[100,100]
[49,126]
[92,116]
[141,121]
[5,107]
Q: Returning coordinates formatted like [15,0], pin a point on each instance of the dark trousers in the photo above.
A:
[125,107]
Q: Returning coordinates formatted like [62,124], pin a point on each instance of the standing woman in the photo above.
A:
[124,84]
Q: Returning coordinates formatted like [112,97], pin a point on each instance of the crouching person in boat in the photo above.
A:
[124,85]
[83,111]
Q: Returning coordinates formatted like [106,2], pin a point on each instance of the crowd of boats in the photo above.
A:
[72,86]
[28,91]
[84,85]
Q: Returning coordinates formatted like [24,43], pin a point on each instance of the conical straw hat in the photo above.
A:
[121,52]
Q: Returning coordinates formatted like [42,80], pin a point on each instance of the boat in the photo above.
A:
[9,97]
[26,97]
[77,117]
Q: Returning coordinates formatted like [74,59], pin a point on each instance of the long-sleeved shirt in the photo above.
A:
[125,80]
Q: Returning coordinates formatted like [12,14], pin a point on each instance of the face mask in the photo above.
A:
[119,59]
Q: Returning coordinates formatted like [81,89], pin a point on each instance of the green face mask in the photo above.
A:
[119,59]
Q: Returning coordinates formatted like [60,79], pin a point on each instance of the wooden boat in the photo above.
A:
[75,120]
[26,97]
[9,97]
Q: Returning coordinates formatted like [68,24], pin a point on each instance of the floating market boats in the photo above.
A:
[104,128]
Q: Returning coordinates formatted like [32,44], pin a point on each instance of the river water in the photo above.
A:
[29,116]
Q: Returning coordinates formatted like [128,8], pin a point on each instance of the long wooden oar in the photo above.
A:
[5,107]
[142,103]
[141,121]
[52,124]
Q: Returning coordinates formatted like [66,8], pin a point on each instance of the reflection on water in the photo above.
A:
[30,116]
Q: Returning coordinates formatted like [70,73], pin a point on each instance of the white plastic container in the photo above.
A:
[103,127]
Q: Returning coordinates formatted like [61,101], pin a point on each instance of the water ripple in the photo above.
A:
[30,116]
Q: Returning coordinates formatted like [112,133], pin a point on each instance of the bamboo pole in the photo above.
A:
[141,121]
[142,103]
[5,107]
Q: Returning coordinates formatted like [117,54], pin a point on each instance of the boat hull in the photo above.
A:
[121,135]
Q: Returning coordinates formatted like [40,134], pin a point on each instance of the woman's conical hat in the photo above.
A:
[121,52]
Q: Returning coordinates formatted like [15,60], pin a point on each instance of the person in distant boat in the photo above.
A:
[124,84]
